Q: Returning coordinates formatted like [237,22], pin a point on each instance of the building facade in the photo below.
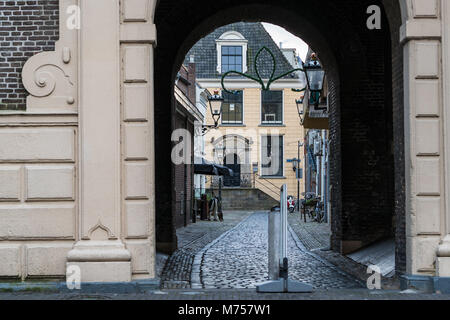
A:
[79,185]
[187,116]
[259,130]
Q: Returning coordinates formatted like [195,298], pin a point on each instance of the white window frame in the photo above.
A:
[231,38]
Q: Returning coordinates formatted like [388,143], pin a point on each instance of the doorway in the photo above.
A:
[232,161]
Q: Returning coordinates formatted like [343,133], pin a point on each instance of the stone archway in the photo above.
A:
[112,113]
[354,132]
[405,19]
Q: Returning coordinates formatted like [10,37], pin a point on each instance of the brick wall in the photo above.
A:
[26,28]
[362,127]
[394,14]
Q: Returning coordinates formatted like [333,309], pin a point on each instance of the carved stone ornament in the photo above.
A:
[51,77]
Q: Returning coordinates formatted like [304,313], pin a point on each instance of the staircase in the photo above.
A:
[263,195]
[247,199]
[267,187]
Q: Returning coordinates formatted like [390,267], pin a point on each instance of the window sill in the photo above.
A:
[272,125]
[232,125]
[273,177]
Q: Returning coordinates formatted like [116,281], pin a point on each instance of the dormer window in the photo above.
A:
[231,52]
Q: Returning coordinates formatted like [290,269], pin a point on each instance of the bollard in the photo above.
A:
[274,243]
[278,255]
[283,223]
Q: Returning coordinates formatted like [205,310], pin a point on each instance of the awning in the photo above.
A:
[224,171]
[211,169]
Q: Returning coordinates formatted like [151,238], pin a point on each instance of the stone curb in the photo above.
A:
[139,286]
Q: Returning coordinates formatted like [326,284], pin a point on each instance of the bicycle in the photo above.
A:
[319,212]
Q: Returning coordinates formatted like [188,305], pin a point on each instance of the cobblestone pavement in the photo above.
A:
[177,270]
[316,237]
[313,235]
[239,260]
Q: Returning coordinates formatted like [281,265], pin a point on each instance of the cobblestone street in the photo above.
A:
[230,258]
[238,259]
[176,273]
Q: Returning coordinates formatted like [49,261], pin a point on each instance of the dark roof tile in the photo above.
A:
[205,55]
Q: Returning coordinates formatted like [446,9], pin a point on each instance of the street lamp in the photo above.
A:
[215,106]
[315,77]
[300,108]
[294,165]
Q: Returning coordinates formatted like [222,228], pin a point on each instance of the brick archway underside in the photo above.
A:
[365,70]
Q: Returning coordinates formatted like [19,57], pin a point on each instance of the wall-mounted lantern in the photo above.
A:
[215,106]
[300,107]
[315,77]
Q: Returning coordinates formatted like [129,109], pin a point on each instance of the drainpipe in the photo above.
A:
[322,170]
[319,169]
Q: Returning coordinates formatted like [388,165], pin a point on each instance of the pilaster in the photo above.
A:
[443,251]
[137,41]
[100,252]
[424,145]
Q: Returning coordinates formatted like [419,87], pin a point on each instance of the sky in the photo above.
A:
[280,34]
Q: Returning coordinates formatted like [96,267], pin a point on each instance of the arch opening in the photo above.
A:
[364,70]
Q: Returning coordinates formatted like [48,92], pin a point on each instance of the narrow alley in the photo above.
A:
[237,259]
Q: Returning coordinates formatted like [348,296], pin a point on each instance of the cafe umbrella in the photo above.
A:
[211,169]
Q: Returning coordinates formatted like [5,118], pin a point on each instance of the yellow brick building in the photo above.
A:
[259,130]
[246,140]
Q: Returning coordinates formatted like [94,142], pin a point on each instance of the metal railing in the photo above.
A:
[258,182]
[266,186]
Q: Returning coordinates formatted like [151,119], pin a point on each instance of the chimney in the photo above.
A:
[191,78]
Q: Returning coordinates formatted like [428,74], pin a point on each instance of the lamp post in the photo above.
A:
[296,167]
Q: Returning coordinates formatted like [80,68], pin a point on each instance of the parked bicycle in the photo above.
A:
[319,212]
[313,207]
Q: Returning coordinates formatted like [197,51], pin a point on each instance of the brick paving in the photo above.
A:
[239,260]
[177,270]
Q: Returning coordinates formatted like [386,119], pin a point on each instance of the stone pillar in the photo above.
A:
[100,252]
[137,41]
[443,252]
[425,197]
